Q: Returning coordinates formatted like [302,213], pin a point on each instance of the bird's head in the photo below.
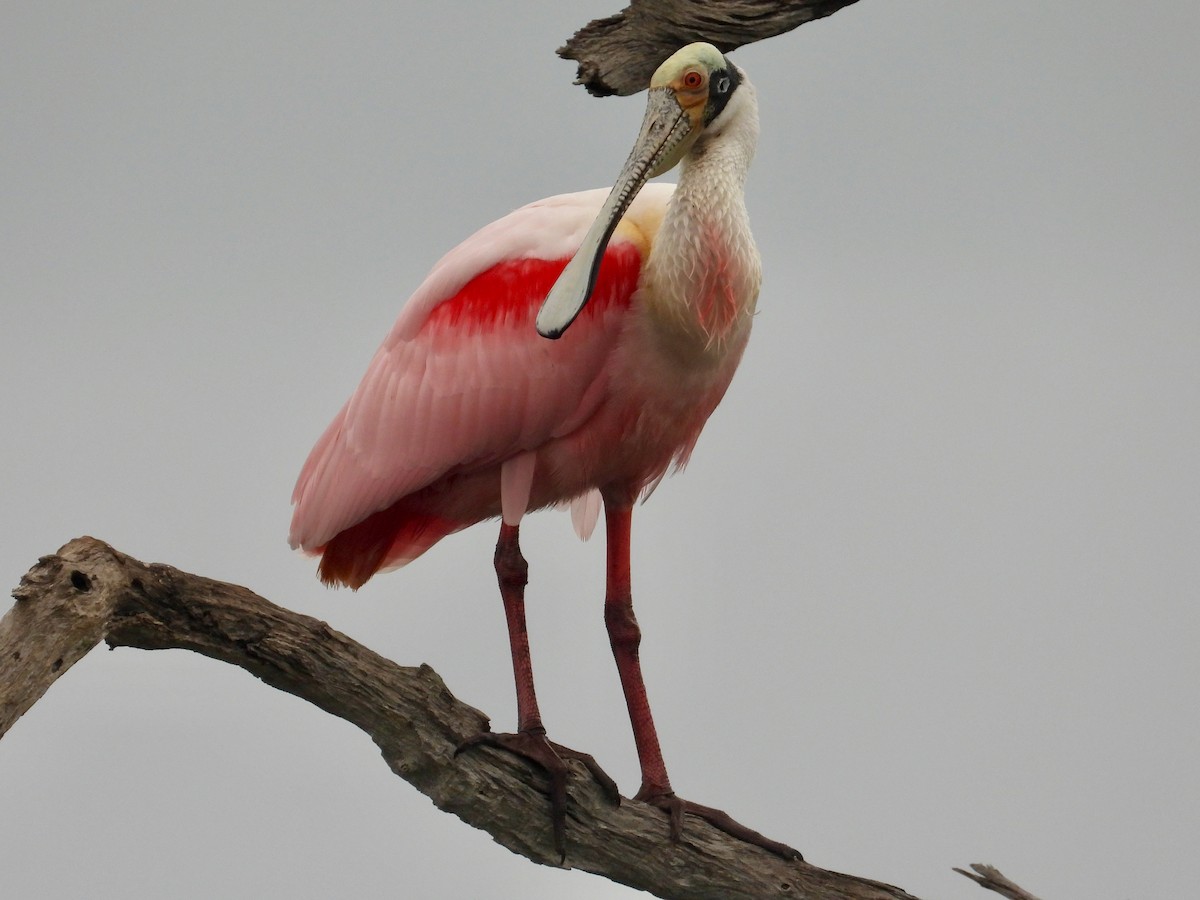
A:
[688,94]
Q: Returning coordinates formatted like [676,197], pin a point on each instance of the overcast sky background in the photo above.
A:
[927,594]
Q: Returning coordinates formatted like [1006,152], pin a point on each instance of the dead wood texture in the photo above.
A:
[88,592]
[618,54]
[991,878]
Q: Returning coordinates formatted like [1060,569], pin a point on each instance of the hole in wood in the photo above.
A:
[81,581]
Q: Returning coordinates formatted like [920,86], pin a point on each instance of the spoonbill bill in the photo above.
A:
[568,353]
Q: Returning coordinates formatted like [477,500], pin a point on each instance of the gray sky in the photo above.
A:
[927,594]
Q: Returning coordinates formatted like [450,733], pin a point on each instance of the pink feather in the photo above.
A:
[462,383]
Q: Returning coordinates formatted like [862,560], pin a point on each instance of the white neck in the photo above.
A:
[703,268]
[721,156]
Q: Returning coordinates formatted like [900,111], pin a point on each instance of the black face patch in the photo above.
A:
[721,85]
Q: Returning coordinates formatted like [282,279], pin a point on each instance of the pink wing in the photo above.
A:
[463,380]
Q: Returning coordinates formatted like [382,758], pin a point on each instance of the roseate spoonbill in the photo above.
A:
[466,413]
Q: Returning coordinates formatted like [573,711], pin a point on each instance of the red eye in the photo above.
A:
[693,80]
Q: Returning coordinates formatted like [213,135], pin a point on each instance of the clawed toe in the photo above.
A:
[611,793]
[675,808]
[550,757]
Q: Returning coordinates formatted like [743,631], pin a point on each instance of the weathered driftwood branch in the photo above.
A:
[990,877]
[618,54]
[88,592]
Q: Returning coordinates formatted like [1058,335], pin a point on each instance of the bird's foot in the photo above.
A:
[551,757]
[675,807]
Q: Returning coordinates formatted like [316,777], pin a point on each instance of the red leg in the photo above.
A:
[512,573]
[625,636]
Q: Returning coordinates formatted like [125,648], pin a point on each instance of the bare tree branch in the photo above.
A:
[989,877]
[618,54]
[88,592]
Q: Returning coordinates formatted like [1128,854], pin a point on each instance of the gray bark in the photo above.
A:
[88,592]
[992,879]
[618,54]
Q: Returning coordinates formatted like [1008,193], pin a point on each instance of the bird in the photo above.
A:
[569,353]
